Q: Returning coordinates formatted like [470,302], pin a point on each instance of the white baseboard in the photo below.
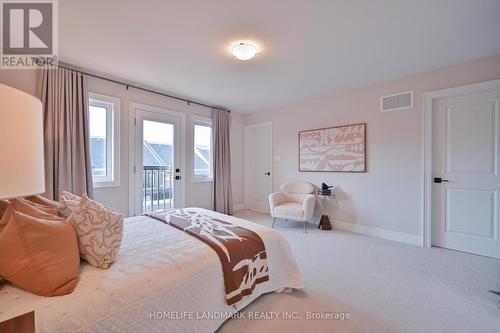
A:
[237,207]
[378,232]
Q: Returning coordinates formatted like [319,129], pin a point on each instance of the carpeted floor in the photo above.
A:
[385,286]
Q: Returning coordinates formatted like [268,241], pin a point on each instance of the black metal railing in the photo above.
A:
[157,188]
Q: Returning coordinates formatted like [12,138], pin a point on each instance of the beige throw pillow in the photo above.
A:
[99,231]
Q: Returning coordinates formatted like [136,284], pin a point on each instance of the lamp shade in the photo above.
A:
[21,144]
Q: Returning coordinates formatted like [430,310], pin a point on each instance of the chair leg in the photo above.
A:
[274,221]
[305,227]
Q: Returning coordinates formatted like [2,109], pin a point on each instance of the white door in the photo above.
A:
[258,166]
[465,156]
[157,166]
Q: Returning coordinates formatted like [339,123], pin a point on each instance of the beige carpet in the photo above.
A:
[385,286]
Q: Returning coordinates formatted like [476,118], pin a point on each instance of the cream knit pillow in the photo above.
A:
[99,231]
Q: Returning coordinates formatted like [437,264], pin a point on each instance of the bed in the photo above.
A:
[164,280]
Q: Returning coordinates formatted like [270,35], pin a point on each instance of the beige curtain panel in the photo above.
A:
[223,198]
[66,132]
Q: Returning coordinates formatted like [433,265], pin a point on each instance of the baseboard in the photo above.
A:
[237,207]
[380,233]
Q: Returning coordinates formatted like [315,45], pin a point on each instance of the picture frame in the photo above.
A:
[333,149]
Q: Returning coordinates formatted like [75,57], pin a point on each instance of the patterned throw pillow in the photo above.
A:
[69,196]
[99,231]
[66,200]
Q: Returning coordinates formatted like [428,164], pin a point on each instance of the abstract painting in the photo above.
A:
[341,149]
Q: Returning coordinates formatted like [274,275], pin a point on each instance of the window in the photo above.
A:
[202,157]
[104,113]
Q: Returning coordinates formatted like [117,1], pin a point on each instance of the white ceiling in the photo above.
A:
[309,47]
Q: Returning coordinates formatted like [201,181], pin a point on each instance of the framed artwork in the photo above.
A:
[333,149]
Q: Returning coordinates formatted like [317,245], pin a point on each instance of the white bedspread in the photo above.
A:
[160,271]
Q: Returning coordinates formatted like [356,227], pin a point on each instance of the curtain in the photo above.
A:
[64,97]
[222,196]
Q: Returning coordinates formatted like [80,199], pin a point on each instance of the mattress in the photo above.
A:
[164,280]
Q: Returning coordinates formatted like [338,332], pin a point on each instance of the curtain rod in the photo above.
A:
[129,85]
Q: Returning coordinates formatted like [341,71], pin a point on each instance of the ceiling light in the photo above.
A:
[244,50]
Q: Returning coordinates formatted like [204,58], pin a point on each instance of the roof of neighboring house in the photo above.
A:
[154,154]
[157,154]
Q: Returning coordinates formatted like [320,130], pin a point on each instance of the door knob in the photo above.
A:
[267,173]
[439,180]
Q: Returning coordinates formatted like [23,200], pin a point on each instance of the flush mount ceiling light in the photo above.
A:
[244,50]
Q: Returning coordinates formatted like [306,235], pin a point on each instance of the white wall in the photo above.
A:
[388,195]
[197,194]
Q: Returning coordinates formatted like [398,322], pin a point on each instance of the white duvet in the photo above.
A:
[164,280]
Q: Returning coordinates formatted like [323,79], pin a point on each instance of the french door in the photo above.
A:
[158,182]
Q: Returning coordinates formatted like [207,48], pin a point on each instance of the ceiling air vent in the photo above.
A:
[396,102]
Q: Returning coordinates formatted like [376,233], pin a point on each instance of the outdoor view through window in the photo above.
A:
[202,158]
[98,140]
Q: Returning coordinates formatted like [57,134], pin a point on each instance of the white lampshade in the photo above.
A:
[21,144]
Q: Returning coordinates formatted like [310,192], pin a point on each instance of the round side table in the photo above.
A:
[324,223]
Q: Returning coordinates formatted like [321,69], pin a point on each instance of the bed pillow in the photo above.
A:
[67,199]
[29,208]
[38,199]
[49,209]
[70,196]
[38,255]
[99,231]
[3,207]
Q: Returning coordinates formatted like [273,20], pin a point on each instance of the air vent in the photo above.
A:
[396,102]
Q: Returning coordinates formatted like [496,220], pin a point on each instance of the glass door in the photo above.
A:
[157,162]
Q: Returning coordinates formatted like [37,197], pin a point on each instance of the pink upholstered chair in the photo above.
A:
[296,201]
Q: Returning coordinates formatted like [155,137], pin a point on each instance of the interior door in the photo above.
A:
[465,172]
[258,166]
[157,173]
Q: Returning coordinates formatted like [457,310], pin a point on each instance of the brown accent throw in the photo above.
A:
[241,251]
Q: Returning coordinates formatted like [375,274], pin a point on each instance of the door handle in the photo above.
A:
[439,180]
[267,173]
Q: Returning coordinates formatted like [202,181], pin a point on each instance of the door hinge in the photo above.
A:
[135,121]
[134,168]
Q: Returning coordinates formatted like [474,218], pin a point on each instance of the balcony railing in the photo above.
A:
[157,188]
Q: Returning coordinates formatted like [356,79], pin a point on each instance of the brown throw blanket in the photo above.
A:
[241,251]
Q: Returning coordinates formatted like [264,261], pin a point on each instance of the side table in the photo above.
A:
[21,324]
[324,223]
